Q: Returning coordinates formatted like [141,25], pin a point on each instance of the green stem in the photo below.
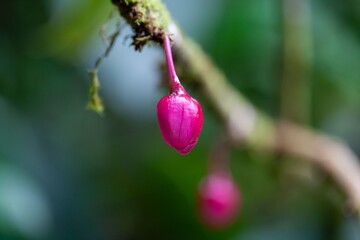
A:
[296,82]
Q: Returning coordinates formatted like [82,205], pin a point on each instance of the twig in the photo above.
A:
[95,101]
[296,75]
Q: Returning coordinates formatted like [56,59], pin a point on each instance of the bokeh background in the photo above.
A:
[67,173]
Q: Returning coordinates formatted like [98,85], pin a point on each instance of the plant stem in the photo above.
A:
[173,79]
[297,60]
[295,102]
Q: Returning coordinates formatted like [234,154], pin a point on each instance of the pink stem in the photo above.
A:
[174,80]
[219,157]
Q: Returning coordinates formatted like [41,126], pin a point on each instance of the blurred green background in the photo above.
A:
[66,173]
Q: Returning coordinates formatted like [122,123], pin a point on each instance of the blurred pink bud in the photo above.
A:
[218,200]
[180,120]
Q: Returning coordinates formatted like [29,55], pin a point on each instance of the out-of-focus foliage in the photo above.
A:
[66,173]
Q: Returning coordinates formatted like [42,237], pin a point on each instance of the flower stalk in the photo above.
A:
[179,115]
[173,78]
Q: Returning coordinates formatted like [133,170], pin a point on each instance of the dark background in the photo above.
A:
[67,173]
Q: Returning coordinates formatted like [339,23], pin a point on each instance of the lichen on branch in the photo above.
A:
[95,102]
[149,19]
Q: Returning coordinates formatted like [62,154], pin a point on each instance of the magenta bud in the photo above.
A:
[180,120]
[179,115]
[218,200]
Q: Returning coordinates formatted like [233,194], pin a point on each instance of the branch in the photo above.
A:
[244,123]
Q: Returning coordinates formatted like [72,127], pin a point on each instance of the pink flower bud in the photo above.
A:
[180,120]
[179,115]
[218,200]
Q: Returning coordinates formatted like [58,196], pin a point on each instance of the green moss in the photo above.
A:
[148,18]
[95,102]
[151,11]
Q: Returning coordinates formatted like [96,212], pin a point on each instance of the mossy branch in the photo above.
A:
[149,20]
[245,124]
